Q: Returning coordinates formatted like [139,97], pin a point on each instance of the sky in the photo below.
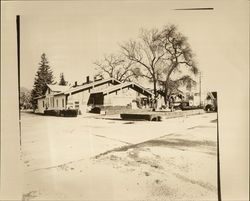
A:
[75,34]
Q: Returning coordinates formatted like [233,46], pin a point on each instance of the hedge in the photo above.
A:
[148,117]
[69,113]
[63,113]
[191,108]
[52,112]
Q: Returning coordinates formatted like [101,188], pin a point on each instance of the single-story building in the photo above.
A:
[109,92]
[48,101]
[120,95]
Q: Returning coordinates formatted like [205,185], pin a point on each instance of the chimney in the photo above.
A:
[87,79]
[75,84]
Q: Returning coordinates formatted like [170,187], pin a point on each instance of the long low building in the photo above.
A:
[105,92]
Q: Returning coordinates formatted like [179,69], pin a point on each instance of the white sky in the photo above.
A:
[75,34]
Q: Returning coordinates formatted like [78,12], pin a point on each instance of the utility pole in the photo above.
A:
[18,71]
[218,157]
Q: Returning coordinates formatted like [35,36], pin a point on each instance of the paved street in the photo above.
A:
[93,158]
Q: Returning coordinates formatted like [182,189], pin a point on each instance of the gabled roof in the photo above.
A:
[74,90]
[57,88]
[133,85]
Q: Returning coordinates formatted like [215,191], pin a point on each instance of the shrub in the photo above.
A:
[95,110]
[191,108]
[64,113]
[52,112]
[69,113]
[184,105]
[147,117]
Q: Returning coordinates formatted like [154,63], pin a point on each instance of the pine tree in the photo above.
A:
[62,81]
[44,76]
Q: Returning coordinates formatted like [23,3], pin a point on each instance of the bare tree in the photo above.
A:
[175,84]
[116,66]
[160,55]
[178,56]
[147,52]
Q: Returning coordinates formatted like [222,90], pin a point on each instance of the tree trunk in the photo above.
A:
[165,94]
[155,93]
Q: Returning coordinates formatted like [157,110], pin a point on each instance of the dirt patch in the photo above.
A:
[102,136]
[195,127]
[29,196]
[161,191]
[178,143]
[205,185]
[162,143]
[63,167]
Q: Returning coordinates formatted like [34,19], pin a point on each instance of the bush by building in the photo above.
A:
[62,113]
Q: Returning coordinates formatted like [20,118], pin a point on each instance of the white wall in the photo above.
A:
[121,98]
[59,102]
[49,105]
[50,101]
[83,97]
[40,108]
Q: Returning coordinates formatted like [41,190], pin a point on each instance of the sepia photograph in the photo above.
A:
[126,100]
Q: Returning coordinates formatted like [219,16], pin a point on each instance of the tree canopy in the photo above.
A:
[147,53]
[44,76]
[116,66]
[178,58]
[164,57]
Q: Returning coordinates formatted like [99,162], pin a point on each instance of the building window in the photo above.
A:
[56,102]
[76,104]
[43,103]
[62,102]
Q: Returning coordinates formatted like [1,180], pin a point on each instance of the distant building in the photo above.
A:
[105,92]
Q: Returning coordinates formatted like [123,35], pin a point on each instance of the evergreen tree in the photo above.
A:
[62,81]
[44,76]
